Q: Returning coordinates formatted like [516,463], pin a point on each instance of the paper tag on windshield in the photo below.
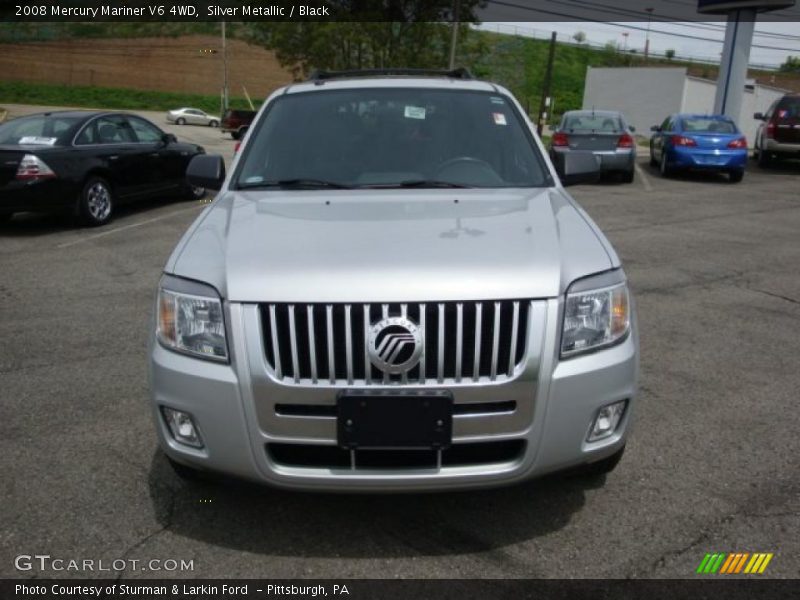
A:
[499,118]
[415,112]
[42,141]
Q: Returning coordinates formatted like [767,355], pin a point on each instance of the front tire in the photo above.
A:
[213,124]
[181,121]
[764,159]
[96,202]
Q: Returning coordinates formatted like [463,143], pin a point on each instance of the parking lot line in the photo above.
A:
[89,238]
[644,178]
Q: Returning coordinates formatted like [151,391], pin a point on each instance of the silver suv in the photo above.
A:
[392,291]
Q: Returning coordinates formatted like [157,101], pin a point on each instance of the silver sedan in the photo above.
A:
[192,116]
[604,133]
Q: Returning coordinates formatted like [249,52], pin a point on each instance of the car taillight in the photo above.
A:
[625,141]
[560,139]
[236,147]
[771,129]
[33,168]
[738,143]
[682,140]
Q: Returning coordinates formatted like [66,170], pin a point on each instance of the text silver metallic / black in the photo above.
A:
[392,291]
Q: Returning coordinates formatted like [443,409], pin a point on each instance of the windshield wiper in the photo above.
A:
[432,183]
[299,182]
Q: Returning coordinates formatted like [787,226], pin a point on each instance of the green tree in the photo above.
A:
[412,33]
[791,64]
[579,37]
[669,53]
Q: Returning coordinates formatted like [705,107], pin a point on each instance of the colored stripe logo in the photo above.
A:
[734,563]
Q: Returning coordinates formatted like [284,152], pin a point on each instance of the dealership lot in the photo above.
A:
[712,465]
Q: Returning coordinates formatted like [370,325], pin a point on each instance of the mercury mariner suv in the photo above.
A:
[392,291]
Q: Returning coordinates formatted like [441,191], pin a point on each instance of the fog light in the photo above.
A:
[606,421]
[182,427]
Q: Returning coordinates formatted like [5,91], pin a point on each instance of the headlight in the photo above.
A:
[190,319]
[595,318]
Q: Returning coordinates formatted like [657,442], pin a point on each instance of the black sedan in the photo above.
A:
[88,163]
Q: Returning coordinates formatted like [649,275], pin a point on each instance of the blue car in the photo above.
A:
[699,142]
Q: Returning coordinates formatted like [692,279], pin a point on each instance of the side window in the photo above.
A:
[88,135]
[145,132]
[112,130]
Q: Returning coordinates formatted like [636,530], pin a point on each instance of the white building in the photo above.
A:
[647,95]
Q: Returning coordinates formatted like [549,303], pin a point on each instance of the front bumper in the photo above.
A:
[708,159]
[233,407]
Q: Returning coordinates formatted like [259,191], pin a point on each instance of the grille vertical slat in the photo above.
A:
[440,345]
[424,342]
[476,369]
[468,341]
[293,344]
[367,363]
[513,340]
[348,335]
[276,348]
[331,356]
[459,338]
[312,346]
[495,340]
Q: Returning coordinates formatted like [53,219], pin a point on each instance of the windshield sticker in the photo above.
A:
[499,119]
[497,100]
[42,141]
[415,112]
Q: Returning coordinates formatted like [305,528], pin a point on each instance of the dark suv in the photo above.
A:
[236,122]
[779,135]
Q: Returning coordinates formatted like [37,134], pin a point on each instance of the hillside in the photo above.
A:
[175,58]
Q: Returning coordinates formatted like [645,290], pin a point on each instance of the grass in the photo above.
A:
[108,98]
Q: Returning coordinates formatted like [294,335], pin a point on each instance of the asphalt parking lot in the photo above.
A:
[713,464]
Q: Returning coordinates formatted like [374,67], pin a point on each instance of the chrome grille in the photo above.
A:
[327,344]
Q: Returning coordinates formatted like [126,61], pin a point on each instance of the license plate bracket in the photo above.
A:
[375,420]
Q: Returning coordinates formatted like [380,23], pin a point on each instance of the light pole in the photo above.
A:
[454,35]
[625,43]
[224,70]
[647,35]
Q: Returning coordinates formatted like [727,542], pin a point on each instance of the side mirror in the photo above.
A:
[579,167]
[206,171]
[655,128]
[760,116]
[169,138]
[631,127]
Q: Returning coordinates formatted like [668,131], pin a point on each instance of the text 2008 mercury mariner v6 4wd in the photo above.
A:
[392,291]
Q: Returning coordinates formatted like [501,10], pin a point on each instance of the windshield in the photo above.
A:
[46,130]
[392,138]
[592,122]
[703,125]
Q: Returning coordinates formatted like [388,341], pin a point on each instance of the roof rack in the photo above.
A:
[321,76]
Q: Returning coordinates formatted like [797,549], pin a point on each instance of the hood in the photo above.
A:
[391,245]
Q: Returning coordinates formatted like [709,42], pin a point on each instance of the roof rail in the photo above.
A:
[321,76]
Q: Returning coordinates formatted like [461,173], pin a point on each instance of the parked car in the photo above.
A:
[392,291]
[192,116]
[88,163]
[779,135]
[236,122]
[604,133]
[699,142]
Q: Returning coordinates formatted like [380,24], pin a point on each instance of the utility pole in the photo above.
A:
[224,69]
[548,76]
[454,35]
[647,35]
